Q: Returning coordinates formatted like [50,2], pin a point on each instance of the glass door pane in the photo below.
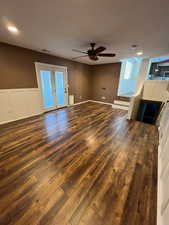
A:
[60,88]
[46,83]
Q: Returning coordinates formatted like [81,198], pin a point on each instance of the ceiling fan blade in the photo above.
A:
[79,51]
[79,56]
[99,49]
[107,54]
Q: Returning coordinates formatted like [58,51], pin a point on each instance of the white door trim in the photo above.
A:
[53,68]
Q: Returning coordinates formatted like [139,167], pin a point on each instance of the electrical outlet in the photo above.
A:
[103,97]
[80,97]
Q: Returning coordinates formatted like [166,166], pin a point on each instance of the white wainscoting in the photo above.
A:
[156,90]
[163,169]
[17,104]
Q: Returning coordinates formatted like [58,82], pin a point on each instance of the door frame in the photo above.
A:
[45,66]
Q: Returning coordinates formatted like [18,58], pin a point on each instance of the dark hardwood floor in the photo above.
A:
[83,165]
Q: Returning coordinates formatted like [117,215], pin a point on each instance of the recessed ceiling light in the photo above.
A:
[139,53]
[12,29]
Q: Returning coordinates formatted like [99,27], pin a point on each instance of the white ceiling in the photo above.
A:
[61,26]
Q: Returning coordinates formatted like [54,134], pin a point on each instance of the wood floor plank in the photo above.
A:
[85,164]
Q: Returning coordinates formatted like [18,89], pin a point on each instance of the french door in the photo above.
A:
[53,83]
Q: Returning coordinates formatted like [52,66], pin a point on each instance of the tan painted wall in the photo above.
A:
[105,79]
[17,70]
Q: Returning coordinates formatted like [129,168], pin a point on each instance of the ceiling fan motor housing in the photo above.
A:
[94,53]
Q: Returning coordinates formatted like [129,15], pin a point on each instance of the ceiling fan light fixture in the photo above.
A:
[94,53]
[134,47]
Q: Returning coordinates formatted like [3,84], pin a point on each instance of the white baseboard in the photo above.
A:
[100,102]
[107,103]
[123,103]
[35,114]
[20,118]
[79,103]
[21,109]
[120,107]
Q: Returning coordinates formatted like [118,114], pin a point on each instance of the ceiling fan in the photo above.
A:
[94,53]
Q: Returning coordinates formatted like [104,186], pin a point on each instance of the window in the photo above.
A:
[128,70]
